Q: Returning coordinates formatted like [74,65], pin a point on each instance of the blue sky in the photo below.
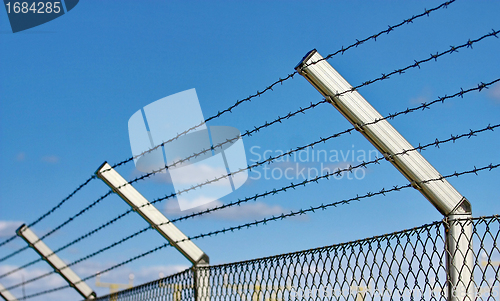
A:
[69,87]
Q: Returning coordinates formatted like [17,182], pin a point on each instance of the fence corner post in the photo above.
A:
[459,254]
[201,282]
[421,174]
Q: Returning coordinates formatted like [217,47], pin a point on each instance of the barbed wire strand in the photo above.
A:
[453,49]
[258,94]
[338,172]
[312,105]
[264,221]
[50,211]
[290,76]
[70,219]
[423,106]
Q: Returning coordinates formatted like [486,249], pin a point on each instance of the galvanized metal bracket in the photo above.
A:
[55,262]
[151,215]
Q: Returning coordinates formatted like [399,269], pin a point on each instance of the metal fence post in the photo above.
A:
[201,283]
[459,257]
[376,129]
[6,295]
[150,214]
[161,224]
[55,262]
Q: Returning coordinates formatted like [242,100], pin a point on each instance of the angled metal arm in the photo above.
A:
[412,165]
[6,295]
[382,135]
[154,217]
[55,262]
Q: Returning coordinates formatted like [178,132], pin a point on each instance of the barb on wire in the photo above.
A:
[264,221]
[290,76]
[337,172]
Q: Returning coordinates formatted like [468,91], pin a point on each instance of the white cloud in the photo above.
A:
[120,275]
[51,281]
[21,156]
[494,93]
[246,211]
[419,100]
[8,228]
[50,159]
[425,96]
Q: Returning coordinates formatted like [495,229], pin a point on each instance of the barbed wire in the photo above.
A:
[258,94]
[289,76]
[453,49]
[14,253]
[389,29]
[290,114]
[264,221]
[301,110]
[47,214]
[70,243]
[70,219]
[338,172]
[313,209]
[423,106]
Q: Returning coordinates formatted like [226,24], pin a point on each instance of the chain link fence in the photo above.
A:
[405,265]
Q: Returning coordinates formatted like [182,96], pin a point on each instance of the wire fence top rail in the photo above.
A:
[402,265]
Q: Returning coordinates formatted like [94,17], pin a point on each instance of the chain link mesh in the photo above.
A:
[405,265]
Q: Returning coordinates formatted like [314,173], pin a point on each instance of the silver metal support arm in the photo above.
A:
[154,217]
[55,262]
[445,198]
